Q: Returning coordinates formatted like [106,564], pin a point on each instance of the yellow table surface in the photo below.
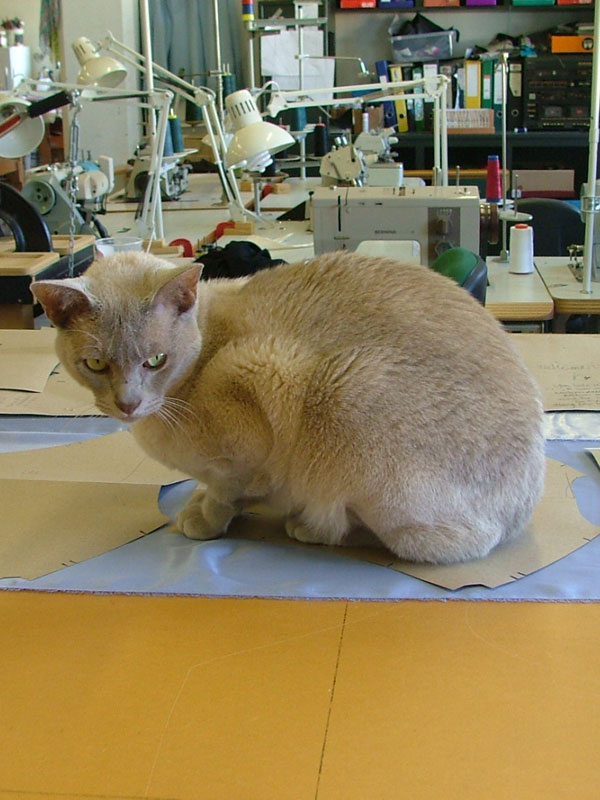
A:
[174,697]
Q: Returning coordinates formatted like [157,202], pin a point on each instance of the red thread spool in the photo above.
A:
[493,187]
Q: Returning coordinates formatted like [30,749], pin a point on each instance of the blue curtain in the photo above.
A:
[183,37]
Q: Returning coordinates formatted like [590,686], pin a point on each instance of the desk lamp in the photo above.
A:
[434,88]
[19,133]
[253,142]
[97,70]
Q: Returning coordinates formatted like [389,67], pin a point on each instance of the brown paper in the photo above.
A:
[62,505]
[62,397]
[567,368]
[47,525]
[557,529]
[114,458]
[27,357]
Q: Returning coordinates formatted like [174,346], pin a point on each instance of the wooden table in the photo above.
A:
[517,298]
[566,291]
[18,270]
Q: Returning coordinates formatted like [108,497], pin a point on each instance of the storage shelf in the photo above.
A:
[501,4]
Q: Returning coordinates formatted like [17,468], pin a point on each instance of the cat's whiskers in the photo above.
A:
[179,406]
[171,422]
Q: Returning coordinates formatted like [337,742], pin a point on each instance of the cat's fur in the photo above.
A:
[346,391]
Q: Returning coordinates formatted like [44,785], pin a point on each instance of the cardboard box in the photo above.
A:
[545,182]
[358,3]
[572,44]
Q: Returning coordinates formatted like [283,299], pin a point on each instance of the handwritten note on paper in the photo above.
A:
[566,367]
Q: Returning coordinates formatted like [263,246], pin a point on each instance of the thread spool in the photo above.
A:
[193,113]
[493,186]
[176,133]
[229,84]
[298,119]
[168,148]
[521,249]
[321,142]
[247,10]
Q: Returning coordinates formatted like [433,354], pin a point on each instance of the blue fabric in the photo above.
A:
[184,38]
[167,563]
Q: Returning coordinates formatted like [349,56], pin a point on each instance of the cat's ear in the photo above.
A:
[63,301]
[180,291]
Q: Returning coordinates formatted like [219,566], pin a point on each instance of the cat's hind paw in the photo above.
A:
[296,529]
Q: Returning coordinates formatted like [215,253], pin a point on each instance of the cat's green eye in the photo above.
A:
[96,364]
[156,361]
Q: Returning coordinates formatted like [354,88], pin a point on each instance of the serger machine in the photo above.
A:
[437,217]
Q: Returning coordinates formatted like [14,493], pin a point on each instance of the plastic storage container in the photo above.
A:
[424,46]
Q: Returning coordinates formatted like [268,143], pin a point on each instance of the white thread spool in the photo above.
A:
[521,248]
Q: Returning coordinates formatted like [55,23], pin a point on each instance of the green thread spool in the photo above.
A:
[229,84]
[298,119]
[193,113]
[168,148]
[176,133]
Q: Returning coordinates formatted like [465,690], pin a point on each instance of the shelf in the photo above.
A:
[501,4]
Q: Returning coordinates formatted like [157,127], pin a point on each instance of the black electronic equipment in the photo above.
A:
[557,92]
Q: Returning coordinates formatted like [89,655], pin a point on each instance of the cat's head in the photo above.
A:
[127,329]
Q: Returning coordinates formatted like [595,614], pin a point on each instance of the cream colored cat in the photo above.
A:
[346,391]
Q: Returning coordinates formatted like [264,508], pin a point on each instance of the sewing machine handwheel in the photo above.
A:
[41,195]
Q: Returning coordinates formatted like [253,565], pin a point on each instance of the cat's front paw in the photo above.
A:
[296,529]
[191,522]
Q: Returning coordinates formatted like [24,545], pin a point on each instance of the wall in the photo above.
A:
[29,12]
[111,129]
[108,128]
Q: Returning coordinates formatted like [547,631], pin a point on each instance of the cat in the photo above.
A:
[346,391]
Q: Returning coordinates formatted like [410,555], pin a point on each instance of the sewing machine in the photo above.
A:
[368,161]
[437,217]
[47,189]
[173,175]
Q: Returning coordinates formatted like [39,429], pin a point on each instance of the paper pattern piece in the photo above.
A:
[566,367]
[48,525]
[27,357]
[557,529]
[114,458]
[62,397]
[62,505]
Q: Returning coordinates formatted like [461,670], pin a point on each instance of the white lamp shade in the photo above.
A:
[24,137]
[254,140]
[97,70]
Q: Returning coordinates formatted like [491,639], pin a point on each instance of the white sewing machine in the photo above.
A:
[367,161]
[437,217]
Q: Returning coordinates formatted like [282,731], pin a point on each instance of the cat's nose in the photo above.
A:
[127,407]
